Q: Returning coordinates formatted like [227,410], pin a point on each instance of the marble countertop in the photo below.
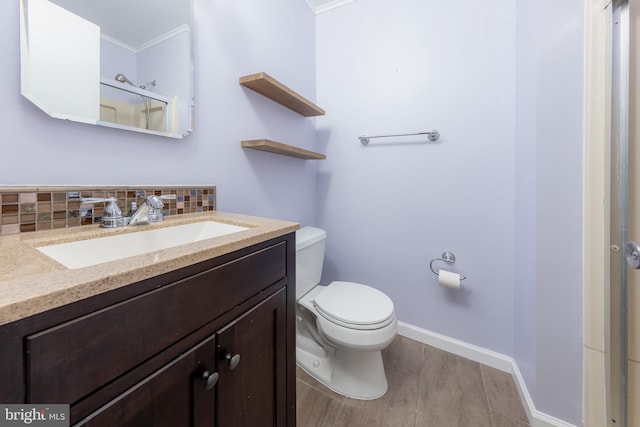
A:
[31,282]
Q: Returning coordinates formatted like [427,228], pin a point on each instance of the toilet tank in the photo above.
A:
[310,243]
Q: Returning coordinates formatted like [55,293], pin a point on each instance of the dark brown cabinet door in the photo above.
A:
[251,391]
[176,395]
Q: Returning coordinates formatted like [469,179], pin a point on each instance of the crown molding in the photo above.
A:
[320,6]
[159,39]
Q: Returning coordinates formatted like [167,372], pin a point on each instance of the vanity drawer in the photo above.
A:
[71,360]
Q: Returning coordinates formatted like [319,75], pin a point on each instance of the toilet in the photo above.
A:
[341,328]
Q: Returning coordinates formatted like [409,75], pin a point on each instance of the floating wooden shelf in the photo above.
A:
[283,149]
[267,86]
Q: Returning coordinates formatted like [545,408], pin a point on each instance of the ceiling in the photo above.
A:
[134,23]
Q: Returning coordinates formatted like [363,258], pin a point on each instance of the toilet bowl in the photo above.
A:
[341,328]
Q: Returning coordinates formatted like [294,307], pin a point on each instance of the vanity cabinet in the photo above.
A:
[210,344]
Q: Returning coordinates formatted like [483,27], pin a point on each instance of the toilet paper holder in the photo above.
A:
[449,258]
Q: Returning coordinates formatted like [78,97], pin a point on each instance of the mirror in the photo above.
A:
[119,63]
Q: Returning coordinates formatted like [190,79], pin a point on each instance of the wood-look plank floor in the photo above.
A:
[427,388]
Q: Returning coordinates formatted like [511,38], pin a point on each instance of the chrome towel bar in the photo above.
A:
[433,135]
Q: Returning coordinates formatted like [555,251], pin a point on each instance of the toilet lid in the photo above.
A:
[354,304]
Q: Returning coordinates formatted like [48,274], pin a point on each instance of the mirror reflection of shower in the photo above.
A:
[147,101]
[125,104]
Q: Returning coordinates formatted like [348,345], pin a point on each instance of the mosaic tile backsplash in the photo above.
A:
[24,209]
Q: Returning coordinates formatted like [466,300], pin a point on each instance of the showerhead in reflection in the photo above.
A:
[122,79]
[147,101]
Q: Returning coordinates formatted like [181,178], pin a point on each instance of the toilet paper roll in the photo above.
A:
[449,279]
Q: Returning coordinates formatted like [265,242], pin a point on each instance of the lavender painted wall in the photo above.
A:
[232,39]
[390,207]
[169,64]
[559,52]
[502,189]
[114,60]
[525,195]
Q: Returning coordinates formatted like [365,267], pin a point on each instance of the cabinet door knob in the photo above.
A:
[232,360]
[210,380]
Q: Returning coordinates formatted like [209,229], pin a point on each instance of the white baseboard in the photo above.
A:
[486,357]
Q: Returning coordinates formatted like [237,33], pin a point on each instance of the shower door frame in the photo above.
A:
[617,332]
[606,198]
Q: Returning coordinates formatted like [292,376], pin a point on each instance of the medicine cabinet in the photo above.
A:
[119,63]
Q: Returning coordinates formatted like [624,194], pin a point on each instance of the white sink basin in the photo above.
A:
[84,253]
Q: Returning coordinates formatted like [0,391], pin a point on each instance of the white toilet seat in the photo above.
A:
[354,306]
[346,358]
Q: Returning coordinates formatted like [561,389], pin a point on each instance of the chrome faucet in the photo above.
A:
[150,210]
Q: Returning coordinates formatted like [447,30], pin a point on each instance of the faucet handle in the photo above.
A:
[156,213]
[112,217]
[112,213]
[112,210]
[156,201]
[91,200]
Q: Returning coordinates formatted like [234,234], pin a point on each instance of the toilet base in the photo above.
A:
[355,374]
